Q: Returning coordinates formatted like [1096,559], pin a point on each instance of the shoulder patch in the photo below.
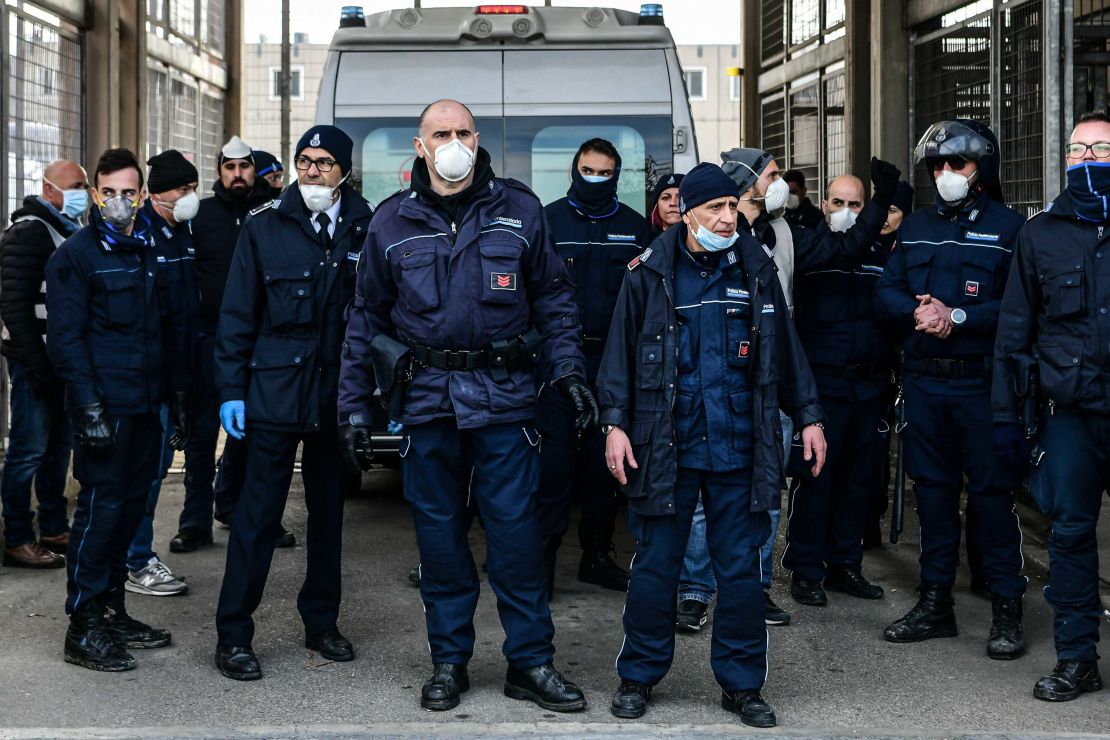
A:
[642,257]
[266,206]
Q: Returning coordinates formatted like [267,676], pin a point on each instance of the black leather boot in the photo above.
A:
[238,662]
[751,707]
[597,565]
[1007,640]
[850,581]
[128,631]
[1068,680]
[544,686]
[808,593]
[89,645]
[441,691]
[631,700]
[931,617]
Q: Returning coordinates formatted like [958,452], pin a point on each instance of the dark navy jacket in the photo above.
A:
[114,338]
[640,369]
[282,319]
[497,277]
[961,258]
[177,277]
[834,311]
[1056,314]
[595,252]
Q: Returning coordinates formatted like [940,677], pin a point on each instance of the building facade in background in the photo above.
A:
[714,96]
[830,82]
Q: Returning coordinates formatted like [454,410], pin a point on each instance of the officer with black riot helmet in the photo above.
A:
[1051,375]
[941,291]
[459,288]
[277,371]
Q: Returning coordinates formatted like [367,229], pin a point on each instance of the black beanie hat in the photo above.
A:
[903,197]
[665,183]
[333,139]
[704,183]
[266,163]
[170,170]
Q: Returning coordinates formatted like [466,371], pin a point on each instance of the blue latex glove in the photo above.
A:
[394,427]
[233,417]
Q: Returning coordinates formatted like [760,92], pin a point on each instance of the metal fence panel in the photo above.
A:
[773,108]
[805,132]
[183,121]
[773,28]
[836,137]
[1021,106]
[157,116]
[211,137]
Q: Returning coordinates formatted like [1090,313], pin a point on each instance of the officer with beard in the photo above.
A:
[596,236]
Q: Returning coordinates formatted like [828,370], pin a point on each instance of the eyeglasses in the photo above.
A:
[954,161]
[1100,149]
[324,165]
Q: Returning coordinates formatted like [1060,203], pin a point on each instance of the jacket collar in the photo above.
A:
[33,205]
[415,206]
[111,240]
[746,253]
[353,207]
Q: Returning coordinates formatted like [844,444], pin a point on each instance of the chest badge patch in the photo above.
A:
[745,349]
[736,293]
[502,281]
[971,288]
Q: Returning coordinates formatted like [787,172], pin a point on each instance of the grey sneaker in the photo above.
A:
[156,579]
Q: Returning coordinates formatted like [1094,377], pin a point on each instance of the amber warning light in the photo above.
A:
[501,10]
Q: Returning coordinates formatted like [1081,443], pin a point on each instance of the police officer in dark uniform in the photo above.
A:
[460,273]
[941,290]
[116,344]
[596,236]
[700,349]
[277,368]
[852,357]
[1055,324]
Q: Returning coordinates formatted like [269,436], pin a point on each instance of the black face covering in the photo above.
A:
[594,199]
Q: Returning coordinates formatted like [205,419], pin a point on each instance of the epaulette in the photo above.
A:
[266,206]
[641,257]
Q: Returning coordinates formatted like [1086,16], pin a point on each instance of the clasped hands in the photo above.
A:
[932,316]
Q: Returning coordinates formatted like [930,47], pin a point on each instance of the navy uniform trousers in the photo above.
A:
[948,436]
[828,513]
[250,548]
[110,506]
[1073,474]
[443,468]
[735,534]
[568,464]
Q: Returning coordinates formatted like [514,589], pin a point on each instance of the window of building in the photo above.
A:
[805,131]
[805,20]
[695,83]
[834,13]
[773,21]
[734,88]
[773,110]
[836,144]
[296,77]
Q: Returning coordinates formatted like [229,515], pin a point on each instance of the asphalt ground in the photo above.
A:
[831,673]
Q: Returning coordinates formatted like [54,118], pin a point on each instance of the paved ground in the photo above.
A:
[831,673]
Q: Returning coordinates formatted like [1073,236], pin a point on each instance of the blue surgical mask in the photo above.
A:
[713,241]
[75,202]
[595,178]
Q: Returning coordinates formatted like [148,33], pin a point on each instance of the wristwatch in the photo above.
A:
[959,316]
[606,429]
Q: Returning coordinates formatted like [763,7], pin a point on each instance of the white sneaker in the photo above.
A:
[156,579]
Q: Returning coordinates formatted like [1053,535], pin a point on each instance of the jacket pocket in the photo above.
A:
[417,285]
[738,345]
[276,371]
[639,436]
[742,419]
[1063,288]
[919,262]
[1060,367]
[119,377]
[649,368]
[288,296]
[979,277]
[123,294]
[500,273]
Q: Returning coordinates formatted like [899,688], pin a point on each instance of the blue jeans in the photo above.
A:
[38,453]
[697,581]
[142,544]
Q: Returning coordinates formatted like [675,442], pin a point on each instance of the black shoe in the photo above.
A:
[414,575]
[331,645]
[129,632]
[550,554]
[226,518]
[441,691]
[89,645]
[238,662]
[692,615]
[190,539]
[808,593]
[544,686]
[631,699]
[285,538]
[597,567]
[850,581]
[931,617]
[773,614]
[1068,680]
[750,706]
[1007,640]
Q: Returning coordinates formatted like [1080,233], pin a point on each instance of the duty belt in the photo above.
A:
[939,368]
[862,371]
[500,357]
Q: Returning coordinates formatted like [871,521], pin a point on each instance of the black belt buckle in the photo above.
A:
[946,368]
[454,360]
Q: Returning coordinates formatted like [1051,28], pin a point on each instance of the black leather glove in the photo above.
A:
[179,415]
[356,444]
[885,177]
[94,429]
[585,405]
